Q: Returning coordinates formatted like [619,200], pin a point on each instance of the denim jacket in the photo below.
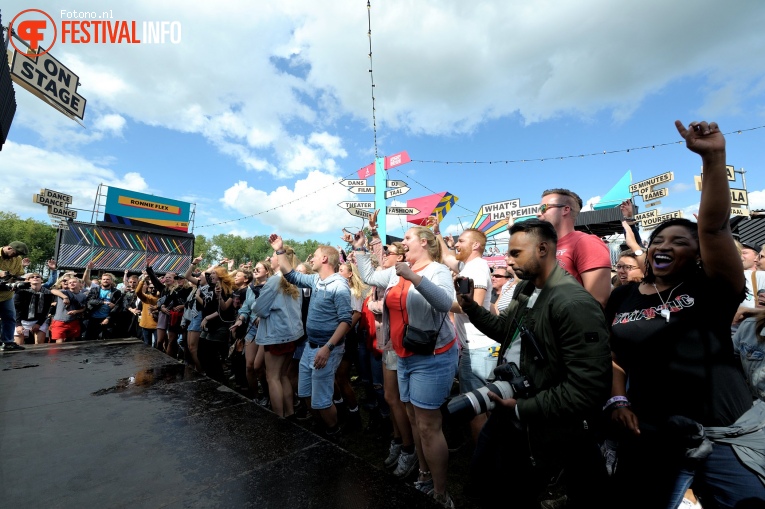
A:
[752,354]
[280,314]
[330,303]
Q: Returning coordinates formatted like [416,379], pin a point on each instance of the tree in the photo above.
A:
[39,236]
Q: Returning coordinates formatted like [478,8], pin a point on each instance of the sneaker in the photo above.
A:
[445,500]
[395,451]
[424,486]
[7,347]
[406,464]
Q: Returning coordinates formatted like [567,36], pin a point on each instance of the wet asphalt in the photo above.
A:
[116,424]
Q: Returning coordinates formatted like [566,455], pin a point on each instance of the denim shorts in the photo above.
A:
[252,331]
[318,384]
[426,380]
[299,348]
[195,325]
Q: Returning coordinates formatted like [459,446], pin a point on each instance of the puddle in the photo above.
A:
[146,378]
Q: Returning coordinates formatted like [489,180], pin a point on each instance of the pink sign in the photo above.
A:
[390,162]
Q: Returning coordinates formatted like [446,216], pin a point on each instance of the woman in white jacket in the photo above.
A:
[281,325]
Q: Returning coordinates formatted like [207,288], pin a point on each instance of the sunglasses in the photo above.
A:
[547,206]
[497,275]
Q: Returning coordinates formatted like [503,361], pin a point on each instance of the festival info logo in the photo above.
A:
[34,27]
[39,31]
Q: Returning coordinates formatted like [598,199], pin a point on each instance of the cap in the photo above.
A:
[751,244]
[19,247]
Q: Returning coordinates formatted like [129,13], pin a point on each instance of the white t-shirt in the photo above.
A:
[478,270]
[751,293]
[513,352]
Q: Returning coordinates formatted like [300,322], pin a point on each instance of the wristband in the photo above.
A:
[280,252]
[616,399]
[360,249]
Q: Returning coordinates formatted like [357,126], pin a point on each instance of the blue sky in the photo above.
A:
[262,103]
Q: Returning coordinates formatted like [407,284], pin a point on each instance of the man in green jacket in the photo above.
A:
[530,440]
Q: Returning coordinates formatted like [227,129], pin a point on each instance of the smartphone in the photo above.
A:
[463,285]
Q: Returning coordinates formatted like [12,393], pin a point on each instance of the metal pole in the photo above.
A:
[380,184]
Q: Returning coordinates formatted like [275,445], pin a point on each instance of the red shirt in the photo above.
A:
[398,317]
[579,252]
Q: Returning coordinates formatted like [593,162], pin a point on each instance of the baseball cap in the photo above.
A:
[745,243]
[19,247]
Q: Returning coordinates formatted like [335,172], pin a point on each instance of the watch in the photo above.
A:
[330,346]
[639,252]
[280,252]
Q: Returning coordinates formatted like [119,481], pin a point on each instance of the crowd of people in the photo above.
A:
[637,382]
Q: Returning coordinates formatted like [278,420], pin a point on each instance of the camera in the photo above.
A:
[509,383]
[18,285]
[463,285]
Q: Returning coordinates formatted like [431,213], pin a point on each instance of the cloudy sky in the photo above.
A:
[264,103]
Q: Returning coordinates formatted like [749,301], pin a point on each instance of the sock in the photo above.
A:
[354,409]
[408,449]
[338,401]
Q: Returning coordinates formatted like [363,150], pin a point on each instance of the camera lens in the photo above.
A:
[466,406]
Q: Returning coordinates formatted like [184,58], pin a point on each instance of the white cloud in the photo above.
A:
[313,209]
[588,205]
[757,200]
[35,168]
[112,123]
[274,103]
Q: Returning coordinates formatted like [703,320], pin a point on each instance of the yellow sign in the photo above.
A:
[645,185]
[646,215]
[653,222]
[653,195]
[737,211]
[739,197]
[148,205]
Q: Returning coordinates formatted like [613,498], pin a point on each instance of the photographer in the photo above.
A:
[10,265]
[555,331]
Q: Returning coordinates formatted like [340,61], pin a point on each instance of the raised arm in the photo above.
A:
[447,256]
[278,245]
[188,275]
[718,250]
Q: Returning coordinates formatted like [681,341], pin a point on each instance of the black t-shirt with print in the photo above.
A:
[685,366]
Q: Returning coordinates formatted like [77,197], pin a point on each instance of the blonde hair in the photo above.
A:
[355,282]
[225,279]
[288,288]
[433,247]
[292,258]
[266,265]
[333,256]
[307,267]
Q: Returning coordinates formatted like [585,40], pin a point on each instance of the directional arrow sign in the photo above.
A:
[351,183]
[403,211]
[362,190]
[356,204]
[395,183]
[396,192]
[359,213]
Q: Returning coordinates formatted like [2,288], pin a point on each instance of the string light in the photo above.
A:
[561,158]
[371,74]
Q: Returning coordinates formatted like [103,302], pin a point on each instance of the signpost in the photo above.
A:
[403,211]
[738,197]
[51,81]
[351,183]
[58,206]
[652,222]
[396,192]
[356,204]
[359,213]
[362,190]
